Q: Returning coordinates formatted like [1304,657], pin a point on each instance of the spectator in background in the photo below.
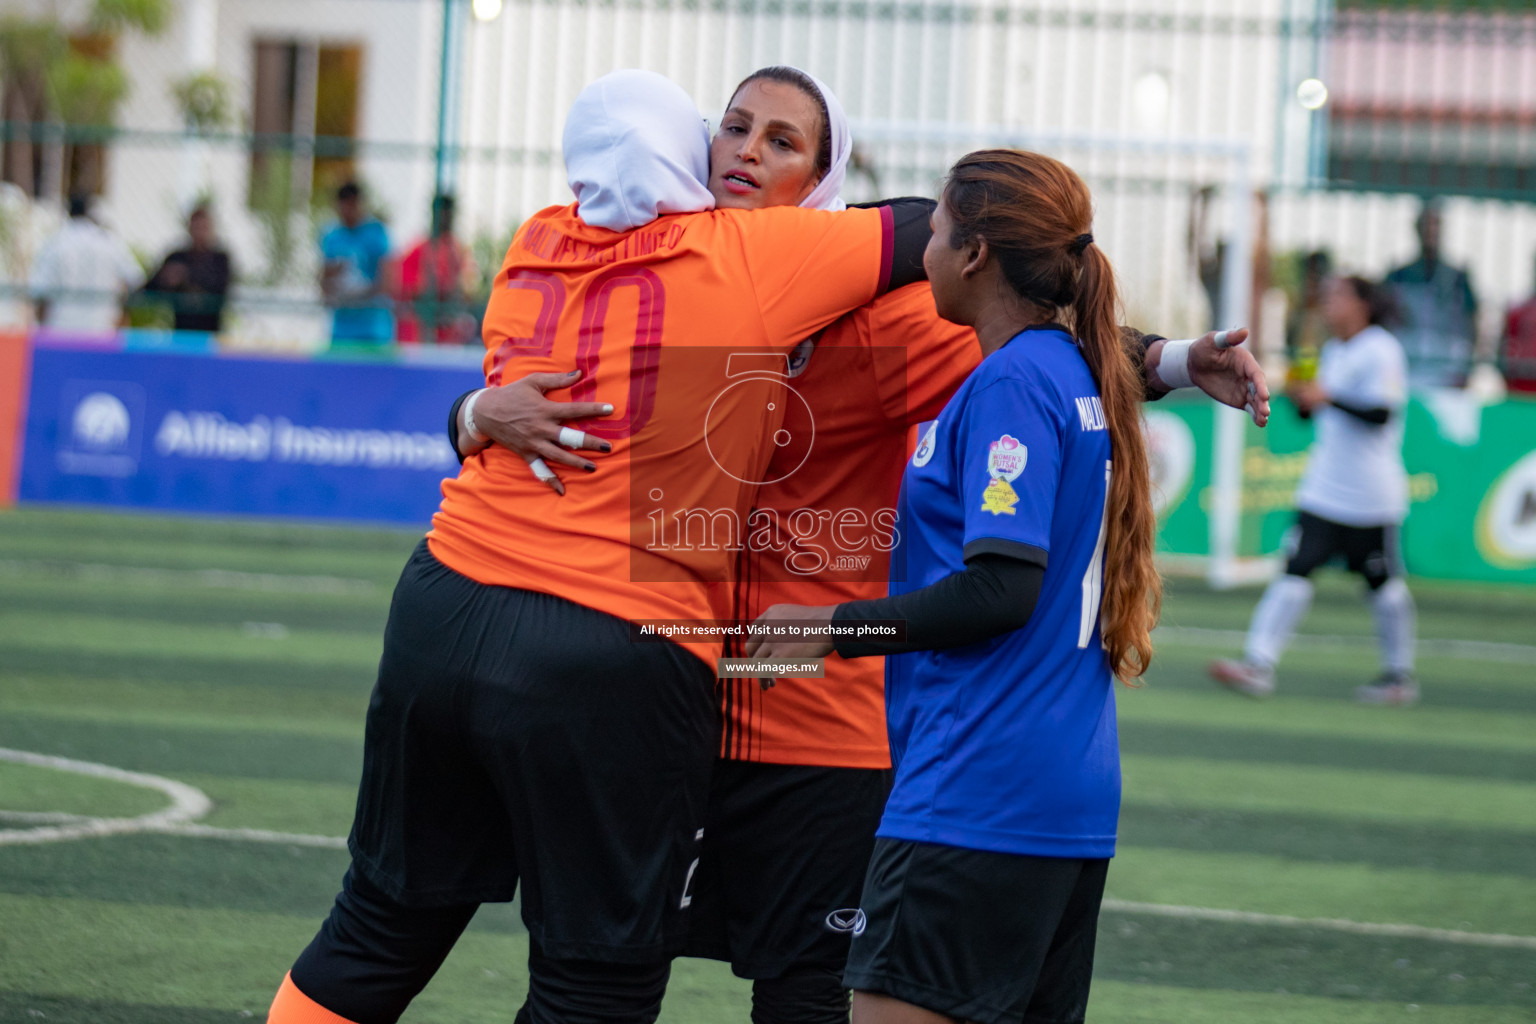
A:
[352,273]
[1438,310]
[81,274]
[1517,353]
[437,282]
[1305,326]
[195,279]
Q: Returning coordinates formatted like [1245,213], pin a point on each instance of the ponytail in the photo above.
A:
[1133,591]
[1035,214]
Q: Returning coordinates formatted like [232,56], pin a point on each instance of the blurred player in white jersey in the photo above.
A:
[1352,500]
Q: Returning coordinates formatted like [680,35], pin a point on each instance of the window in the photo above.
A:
[304,118]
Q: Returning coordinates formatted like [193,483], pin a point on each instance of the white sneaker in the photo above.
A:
[1394,690]
[1242,677]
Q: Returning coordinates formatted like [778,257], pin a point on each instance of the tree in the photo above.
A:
[62,83]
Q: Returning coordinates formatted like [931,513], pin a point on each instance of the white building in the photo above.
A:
[1150,99]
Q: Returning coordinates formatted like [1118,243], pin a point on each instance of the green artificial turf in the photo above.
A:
[237,657]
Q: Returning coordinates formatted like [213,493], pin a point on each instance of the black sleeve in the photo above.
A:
[453,423]
[909,215]
[1376,415]
[996,594]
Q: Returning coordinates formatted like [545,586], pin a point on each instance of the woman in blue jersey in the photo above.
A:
[1026,554]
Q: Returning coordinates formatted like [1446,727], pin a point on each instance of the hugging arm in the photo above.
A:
[909,237]
[518,416]
[1215,363]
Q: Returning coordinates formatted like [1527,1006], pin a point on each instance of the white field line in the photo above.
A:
[189,804]
[1336,924]
[1473,650]
[43,818]
[216,579]
[256,835]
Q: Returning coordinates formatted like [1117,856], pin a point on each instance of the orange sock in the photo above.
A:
[294,1007]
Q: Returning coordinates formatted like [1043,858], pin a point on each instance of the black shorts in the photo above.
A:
[785,851]
[995,938]
[515,737]
[1372,551]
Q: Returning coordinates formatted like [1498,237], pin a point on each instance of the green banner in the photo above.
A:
[1472,481]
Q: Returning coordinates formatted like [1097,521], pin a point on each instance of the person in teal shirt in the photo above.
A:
[353,253]
[1437,309]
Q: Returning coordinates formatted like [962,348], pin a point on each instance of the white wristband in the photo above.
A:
[1173,366]
[469,417]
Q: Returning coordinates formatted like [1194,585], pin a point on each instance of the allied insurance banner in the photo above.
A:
[196,431]
[186,428]
[1472,481]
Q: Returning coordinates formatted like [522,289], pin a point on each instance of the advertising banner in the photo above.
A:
[192,432]
[1471,474]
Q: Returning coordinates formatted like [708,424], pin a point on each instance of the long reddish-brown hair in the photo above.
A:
[1035,214]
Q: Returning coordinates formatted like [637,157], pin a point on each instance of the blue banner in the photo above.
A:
[193,432]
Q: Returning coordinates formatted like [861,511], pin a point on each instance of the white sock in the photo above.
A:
[1283,605]
[1396,625]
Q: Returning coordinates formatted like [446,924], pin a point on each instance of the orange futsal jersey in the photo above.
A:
[659,319]
[822,528]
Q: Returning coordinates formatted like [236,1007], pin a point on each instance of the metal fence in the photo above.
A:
[1223,138]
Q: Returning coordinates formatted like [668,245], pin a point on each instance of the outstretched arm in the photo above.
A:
[1216,364]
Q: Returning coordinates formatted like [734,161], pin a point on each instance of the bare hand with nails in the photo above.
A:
[1217,364]
[517,416]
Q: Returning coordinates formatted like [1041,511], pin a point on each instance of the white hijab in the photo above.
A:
[636,147]
[827,193]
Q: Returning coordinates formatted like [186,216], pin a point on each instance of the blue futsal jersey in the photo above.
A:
[1010,745]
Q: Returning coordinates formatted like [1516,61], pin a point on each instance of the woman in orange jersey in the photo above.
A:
[804,763]
[497,755]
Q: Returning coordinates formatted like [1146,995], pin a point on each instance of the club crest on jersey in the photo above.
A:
[1006,459]
[926,446]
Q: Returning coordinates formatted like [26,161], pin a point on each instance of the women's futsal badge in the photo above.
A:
[1006,459]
